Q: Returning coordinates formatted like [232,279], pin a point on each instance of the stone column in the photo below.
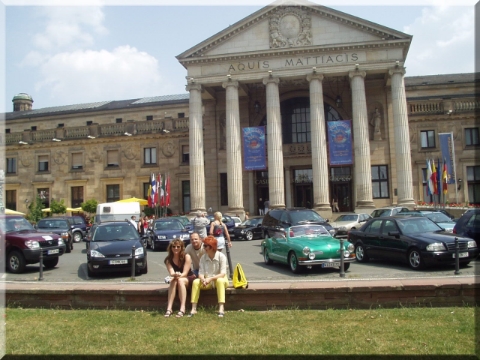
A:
[234,150]
[363,170]
[288,187]
[318,141]
[197,170]
[274,139]
[402,139]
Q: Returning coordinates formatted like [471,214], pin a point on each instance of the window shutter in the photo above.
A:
[112,158]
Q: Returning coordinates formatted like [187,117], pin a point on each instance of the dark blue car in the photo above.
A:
[162,231]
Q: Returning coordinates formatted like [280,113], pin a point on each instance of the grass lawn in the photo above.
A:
[403,331]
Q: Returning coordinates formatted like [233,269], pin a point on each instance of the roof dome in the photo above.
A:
[22,96]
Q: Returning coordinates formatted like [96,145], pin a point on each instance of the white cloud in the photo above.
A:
[85,76]
[453,26]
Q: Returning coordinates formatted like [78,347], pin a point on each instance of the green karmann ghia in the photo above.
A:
[306,245]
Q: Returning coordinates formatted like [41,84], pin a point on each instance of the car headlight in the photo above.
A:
[32,244]
[60,242]
[332,231]
[96,254]
[139,251]
[311,256]
[161,237]
[64,235]
[242,232]
[306,250]
[351,248]
[472,244]
[436,247]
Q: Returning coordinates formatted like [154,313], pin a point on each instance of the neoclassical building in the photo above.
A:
[327,91]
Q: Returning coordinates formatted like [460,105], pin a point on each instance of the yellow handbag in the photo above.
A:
[239,279]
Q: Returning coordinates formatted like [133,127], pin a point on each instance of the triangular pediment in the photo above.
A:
[287,26]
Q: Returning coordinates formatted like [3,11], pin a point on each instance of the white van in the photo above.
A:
[117,211]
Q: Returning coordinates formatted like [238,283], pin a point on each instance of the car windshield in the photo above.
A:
[252,222]
[438,217]
[183,220]
[309,231]
[15,224]
[302,217]
[115,233]
[168,225]
[53,224]
[347,218]
[417,225]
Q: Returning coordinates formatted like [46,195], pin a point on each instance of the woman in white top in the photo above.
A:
[219,230]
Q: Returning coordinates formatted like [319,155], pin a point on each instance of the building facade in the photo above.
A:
[297,71]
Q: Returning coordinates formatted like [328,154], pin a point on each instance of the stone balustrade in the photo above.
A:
[427,107]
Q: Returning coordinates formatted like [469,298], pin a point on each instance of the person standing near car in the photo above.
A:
[200,223]
[195,250]
[266,206]
[260,206]
[219,230]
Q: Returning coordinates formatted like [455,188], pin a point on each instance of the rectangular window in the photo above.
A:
[7,131]
[33,128]
[185,154]
[150,156]
[471,137]
[181,115]
[89,122]
[112,158]
[77,196]
[427,138]
[44,195]
[380,182]
[145,190]
[149,117]
[11,166]
[43,163]
[186,196]
[11,199]
[61,125]
[77,162]
[473,183]
[113,193]
[223,189]
[118,120]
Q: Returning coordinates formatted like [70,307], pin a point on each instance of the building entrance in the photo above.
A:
[341,188]
[303,189]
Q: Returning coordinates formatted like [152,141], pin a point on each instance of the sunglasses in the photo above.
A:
[206,246]
[176,247]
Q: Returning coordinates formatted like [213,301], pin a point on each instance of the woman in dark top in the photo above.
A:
[179,268]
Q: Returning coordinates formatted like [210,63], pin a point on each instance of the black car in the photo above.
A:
[163,231]
[415,240]
[110,249]
[248,230]
[59,226]
[80,227]
[469,225]
[276,220]
[226,219]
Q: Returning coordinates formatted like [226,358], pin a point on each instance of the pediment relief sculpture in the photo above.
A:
[290,27]
[59,157]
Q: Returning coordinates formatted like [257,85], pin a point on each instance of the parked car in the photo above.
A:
[226,219]
[184,220]
[276,220]
[387,211]
[445,212]
[110,249]
[237,220]
[416,240]
[23,244]
[347,222]
[302,246]
[165,230]
[248,230]
[469,225]
[437,217]
[80,227]
[59,226]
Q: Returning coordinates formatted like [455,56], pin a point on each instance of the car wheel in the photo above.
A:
[346,266]
[90,273]
[16,262]
[145,270]
[464,264]
[266,258]
[77,236]
[249,235]
[50,263]
[152,245]
[293,262]
[360,253]
[415,259]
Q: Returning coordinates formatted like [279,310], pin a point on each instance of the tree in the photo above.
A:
[89,206]
[35,210]
[58,207]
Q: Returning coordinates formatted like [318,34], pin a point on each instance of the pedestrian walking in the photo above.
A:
[260,207]
[266,206]
[200,223]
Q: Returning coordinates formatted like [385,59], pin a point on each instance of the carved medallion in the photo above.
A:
[289,27]
[26,160]
[168,149]
[94,155]
[59,157]
[129,153]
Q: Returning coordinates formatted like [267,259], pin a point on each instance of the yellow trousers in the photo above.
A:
[220,284]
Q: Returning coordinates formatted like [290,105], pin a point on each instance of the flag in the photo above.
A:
[158,194]
[439,179]
[154,191]
[445,178]
[434,178]
[162,192]
[167,190]
[148,195]
[429,179]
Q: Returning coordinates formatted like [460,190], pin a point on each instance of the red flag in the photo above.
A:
[445,178]
[167,190]
[434,178]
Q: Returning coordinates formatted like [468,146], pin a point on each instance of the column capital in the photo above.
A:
[233,83]
[352,74]
[311,77]
[190,87]
[271,79]
[397,70]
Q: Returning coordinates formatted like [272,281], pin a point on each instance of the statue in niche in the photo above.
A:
[376,123]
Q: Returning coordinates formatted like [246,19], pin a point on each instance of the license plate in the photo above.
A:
[461,255]
[54,251]
[118,262]
[331,264]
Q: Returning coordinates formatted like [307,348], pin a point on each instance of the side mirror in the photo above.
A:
[394,233]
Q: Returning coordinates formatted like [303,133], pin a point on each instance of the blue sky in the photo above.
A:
[77,54]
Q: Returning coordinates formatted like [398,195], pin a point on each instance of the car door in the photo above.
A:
[391,245]
[370,237]
[472,228]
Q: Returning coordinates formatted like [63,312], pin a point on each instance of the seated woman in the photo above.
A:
[178,265]
[212,273]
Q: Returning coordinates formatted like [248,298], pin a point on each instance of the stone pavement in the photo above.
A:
[330,294]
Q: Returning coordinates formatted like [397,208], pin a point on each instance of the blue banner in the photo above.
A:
[340,142]
[254,148]
[448,155]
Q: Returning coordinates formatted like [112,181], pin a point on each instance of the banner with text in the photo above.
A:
[340,142]
[448,155]
[254,154]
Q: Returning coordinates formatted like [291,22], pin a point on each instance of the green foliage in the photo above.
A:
[35,210]
[58,207]
[89,206]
